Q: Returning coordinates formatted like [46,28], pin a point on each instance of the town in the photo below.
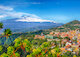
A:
[70,41]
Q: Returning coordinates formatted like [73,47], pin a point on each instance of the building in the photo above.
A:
[39,37]
[49,36]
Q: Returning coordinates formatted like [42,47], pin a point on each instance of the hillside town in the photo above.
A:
[70,41]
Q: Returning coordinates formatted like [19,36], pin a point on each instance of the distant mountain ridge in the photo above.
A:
[18,26]
[73,22]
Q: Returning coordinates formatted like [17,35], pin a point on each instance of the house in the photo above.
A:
[77,25]
[63,35]
[68,44]
[49,39]
[69,49]
[49,36]
[64,41]
[39,37]
[57,34]
[78,41]
[51,33]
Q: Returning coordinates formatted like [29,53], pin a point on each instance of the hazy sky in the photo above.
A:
[61,11]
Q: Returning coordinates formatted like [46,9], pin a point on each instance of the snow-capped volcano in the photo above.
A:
[33,19]
[28,24]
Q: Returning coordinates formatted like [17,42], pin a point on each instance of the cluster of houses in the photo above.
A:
[71,44]
[77,25]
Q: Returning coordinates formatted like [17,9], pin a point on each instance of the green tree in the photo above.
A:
[45,45]
[37,51]
[17,42]
[26,45]
[4,55]
[7,32]
[16,55]
[10,50]
[1,48]
[1,25]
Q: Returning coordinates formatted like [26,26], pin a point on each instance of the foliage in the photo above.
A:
[26,44]
[4,55]
[17,55]
[45,45]
[17,42]
[7,32]
[1,48]
[1,25]
[10,50]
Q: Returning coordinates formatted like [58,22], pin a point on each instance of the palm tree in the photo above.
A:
[7,32]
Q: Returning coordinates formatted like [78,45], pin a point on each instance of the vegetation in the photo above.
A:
[64,28]
[1,25]
[7,32]
[24,44]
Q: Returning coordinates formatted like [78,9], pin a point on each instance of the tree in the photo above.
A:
[36,52]
[26,45]
[1,25]
[29,56]
[17,55]
[10,50]
[4,55]
[1,48]
[53,51]
[17,42]
[7,32]
[74,56]
[45,45]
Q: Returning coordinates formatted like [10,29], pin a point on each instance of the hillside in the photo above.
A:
[72,25]
[66,27]
[28,44]
[75,24]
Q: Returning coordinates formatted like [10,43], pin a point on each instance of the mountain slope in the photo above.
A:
[72,25]
[75,24]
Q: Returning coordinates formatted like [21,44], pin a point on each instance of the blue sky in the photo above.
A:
[61,11]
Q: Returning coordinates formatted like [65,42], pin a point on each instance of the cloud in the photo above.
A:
[24,3]
[26,17]
[35,3]
[2,16]
[6,8]
[10,13]
[18,14]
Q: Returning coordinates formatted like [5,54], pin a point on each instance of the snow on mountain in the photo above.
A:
[33,19]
